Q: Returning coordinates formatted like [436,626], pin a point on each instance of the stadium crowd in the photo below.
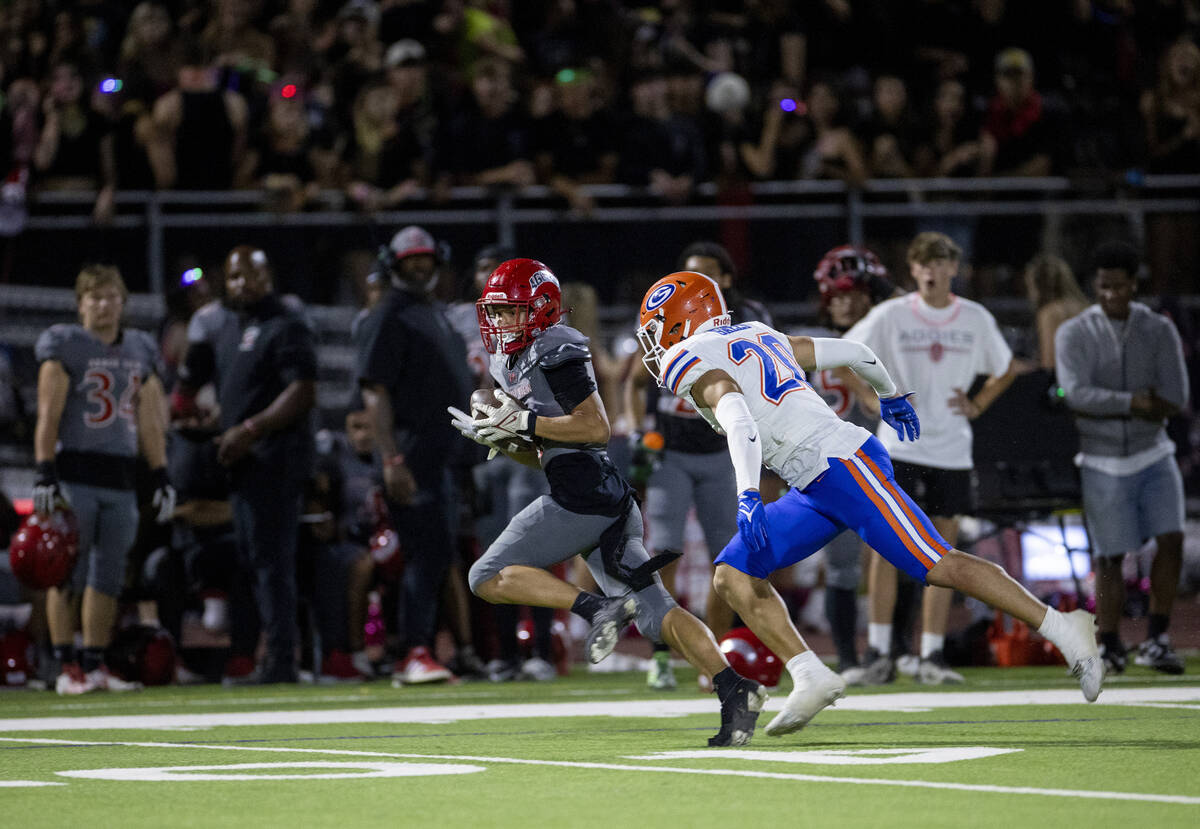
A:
[394,102]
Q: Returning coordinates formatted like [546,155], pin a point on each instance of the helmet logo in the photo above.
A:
[659,296]
[541,276]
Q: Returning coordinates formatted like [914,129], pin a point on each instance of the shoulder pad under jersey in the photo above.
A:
[53,341]
[559,344]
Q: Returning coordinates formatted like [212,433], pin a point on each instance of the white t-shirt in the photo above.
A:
[932,351]
[799,431]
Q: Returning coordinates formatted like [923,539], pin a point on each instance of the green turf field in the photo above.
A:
[1013,748]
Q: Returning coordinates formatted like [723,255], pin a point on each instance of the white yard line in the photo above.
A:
[806,778]
[440,714]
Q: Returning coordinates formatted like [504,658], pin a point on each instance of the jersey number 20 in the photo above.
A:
[780,373]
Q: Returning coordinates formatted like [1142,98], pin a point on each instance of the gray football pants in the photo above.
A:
[108,523]
[544,534]
[843,561]
[685,478]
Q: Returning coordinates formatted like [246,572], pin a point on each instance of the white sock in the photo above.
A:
[804,665]
[1055,628]
[879,637]
[931,643]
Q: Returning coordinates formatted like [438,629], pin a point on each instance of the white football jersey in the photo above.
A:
[932,351]
[799,431]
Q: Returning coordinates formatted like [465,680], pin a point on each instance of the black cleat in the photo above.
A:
[739,713]
[607,625]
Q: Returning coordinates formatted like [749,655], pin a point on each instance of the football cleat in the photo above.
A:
[1157,654]
[854,675]
[661,676]
[933,670]
[1115,659]
[338,667]
[878,669]
[420,667]
[103,680]
[1082,653]
[72,681]
[538,669]
[739,713]
[908,665]
[502,670]
[806,701]
[607,625]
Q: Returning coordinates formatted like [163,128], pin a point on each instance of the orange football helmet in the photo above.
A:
[676,307]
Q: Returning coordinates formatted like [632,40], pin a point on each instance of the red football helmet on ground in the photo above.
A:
[142,653]
[526,286]
[44,549]
[16,649]
[850,268]
[387,554]
[676,307]
[750,657]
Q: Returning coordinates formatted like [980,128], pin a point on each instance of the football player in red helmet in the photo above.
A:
[750,382]
[850,279]
[547,399]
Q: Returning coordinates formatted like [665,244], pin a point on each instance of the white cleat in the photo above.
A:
[102,680]
[1083,654]
[607,625]
[805,702]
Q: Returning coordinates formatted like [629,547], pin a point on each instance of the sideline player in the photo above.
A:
[749,381]
[100,400]
[549,413]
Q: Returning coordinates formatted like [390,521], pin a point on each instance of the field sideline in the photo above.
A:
[1014,747]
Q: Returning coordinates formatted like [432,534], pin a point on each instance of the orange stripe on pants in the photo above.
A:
[899,496]
[881,505]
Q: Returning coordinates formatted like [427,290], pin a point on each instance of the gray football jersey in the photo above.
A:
[526,380]
[100,414]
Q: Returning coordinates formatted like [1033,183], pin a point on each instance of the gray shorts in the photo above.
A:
[686,478]
[544,534]
[843,561]
[108,523]
[1123,511]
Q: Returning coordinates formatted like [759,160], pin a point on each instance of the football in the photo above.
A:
[479,399]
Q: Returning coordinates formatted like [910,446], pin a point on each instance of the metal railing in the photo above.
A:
[503,211]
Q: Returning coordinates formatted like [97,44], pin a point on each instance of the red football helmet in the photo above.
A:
[527,287]
[387,554]
[142,653]
[676,307]
[44,549]
[850,268]
[750,657]
[15,663]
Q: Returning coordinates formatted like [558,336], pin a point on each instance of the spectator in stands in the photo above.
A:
[296,35]
[891,134]
[1121,368]
[260,354]
[1017,137]
[148,64]
[1171,115]
[200,129]
[282,157]
[577,144]
[659,149]
[822,148]
[233,40]
[936,344]
[354,54]
[1055,297]
[75,148]
[951,144]
[411,366]
[488,141]
[482,31]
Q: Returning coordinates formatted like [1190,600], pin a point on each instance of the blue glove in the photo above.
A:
[898,413]
[752,521]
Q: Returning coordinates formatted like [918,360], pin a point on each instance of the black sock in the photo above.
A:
[841,609]
[1158,625]
[65,654]
[91,659]
[587,605]
[725,682]
[1112,642]
[659,647]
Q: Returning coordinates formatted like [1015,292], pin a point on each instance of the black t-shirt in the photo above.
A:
[407,345]
[472,143]
[576,146]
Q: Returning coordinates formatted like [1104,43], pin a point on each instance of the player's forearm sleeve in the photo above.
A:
[742,434]
[831,353]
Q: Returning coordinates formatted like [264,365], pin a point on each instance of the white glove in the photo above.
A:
[468,428]
[164,497]
[510,420]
